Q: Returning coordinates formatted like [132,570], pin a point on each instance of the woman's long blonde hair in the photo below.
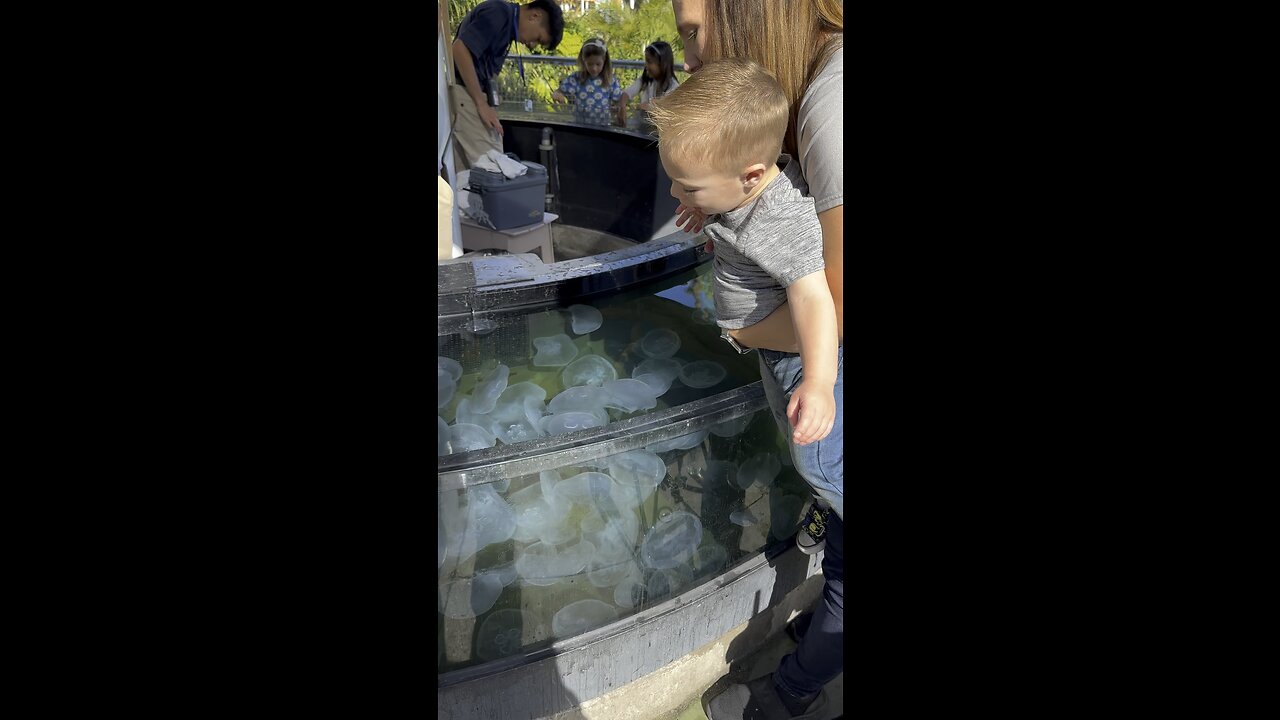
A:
[789,38]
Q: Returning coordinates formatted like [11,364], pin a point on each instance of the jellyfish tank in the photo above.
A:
[616,500]
[614,492]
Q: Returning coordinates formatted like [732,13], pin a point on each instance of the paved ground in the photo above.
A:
[763,662]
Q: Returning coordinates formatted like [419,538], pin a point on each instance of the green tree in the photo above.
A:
[624,30]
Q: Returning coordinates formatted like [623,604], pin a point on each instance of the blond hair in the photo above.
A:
[792,40]
[728,115]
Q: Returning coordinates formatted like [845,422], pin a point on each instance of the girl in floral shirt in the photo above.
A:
[593,89]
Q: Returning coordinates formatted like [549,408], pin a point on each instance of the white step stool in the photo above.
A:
[522,239]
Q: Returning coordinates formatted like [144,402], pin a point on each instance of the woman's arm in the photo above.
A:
[776,332]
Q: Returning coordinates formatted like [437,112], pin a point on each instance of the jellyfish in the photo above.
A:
[702,374]
[449,366]
[710,558]
[584,319]
[469,597]
[503,631]
[581,616]
[520,391]
[658,384]
[581,398]
[588,370]
[464,437]
[606,572]
[443,437]
[613,534]
[517,414]
[585,486]
[631,591]
[671,541]
[570,422]
[660,343]
[554,351]
[485,396]
[542,564]
[489,520]
[638,468]
[538,516]
[516,432]
[629,395]
[761,468]
[668,368]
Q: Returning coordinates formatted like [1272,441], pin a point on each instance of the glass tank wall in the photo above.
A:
[597,459]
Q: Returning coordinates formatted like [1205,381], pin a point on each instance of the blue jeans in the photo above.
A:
[820,655]
[821,464]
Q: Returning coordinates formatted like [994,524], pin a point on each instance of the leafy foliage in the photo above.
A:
[625,31]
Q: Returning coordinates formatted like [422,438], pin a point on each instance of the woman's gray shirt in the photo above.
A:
[820,133]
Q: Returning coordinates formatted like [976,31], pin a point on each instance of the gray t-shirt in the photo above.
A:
[763,247]
[820,133]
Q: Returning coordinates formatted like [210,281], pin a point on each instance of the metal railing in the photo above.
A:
[530,97]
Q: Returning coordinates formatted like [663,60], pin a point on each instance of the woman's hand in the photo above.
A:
[558,97]
[694,218]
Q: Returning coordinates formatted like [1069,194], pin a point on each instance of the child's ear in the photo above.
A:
[752,176]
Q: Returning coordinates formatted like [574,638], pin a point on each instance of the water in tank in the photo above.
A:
[531,559]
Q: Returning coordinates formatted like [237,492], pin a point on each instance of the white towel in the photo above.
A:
[484,163]
[510,168]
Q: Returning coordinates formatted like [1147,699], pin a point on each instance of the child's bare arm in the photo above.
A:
[812,409]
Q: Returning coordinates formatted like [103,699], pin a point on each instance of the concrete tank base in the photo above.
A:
[650,665]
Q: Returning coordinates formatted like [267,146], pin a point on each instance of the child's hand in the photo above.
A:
[558,97]
[694,217]
[812,412]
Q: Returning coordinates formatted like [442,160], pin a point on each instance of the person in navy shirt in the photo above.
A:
[484,37]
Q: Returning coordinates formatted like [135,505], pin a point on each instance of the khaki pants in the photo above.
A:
[472,138]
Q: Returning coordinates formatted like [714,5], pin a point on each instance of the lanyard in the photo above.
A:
[515,37]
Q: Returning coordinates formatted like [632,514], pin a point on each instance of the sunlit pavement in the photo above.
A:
[763,662]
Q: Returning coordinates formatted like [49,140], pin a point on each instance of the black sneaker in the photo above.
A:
[760,699]
[813,530]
